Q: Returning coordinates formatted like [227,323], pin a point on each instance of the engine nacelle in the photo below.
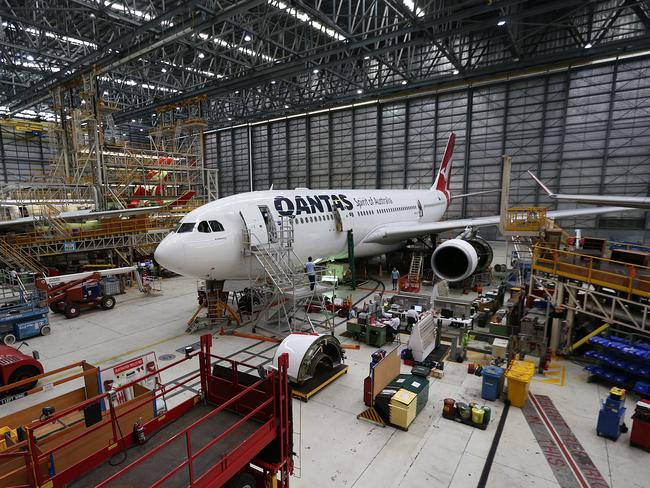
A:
[457,259]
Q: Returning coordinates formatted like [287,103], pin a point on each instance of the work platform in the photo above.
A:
[613,291]
[616,275]
[147,472]
[239,422]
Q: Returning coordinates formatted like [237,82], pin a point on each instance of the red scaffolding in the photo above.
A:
[239,424]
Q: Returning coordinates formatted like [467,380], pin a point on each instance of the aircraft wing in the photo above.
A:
[623,201]
[391,233]
[80,215]
[102,214]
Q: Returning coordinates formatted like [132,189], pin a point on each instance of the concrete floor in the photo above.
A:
[334,448]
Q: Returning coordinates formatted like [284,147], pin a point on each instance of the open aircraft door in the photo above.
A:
[255,224]
[343,220]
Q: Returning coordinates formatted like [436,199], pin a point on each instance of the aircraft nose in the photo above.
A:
[170,254]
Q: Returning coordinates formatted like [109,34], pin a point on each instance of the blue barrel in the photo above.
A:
[492,382]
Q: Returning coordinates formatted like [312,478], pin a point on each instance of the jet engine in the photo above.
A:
[459,258]
[309,355]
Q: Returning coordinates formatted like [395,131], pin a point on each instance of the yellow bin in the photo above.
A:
[519,374]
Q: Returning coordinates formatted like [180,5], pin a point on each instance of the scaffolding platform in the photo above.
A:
[148,471]
[312,386]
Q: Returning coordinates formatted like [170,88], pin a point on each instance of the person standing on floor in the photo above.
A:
[412,317]
[395,277]
[310,267]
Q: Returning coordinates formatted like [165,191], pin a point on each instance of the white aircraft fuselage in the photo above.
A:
[209,242]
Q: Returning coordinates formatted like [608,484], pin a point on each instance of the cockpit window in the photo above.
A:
[204,227]
[216,226]
[185,227]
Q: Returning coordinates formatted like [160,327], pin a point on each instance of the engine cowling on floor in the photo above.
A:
[457,259]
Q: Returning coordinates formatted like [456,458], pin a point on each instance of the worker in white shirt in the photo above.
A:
[412,317]
[392,329]
[310,268]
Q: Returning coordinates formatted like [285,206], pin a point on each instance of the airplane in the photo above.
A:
[622,201]
[209,240]
[81,215]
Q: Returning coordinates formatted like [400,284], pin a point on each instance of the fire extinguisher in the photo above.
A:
[138,433]
[547,358]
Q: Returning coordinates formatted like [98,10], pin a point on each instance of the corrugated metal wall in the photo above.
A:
[22,154]
[586,130]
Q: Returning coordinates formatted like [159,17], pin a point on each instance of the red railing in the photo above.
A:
[38,455]
[187,434]
[18,454]
[264,408]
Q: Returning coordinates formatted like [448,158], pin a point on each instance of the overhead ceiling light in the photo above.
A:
[141,130]
[83,102]
[229,118]
[589,45]
[404,82]
[359,91]
[236,92]
[201,55]
[501,22]
[272,82]
[133,121]
[178,108]
[315,71]
[30,58]
[124,134]
[92,15]
[366,57]
[455,71]
[105,93]
[286,106]
[164,70]
[247,38]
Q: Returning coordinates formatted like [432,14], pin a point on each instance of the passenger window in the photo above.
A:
[186,227]
[204,227]
[216,226]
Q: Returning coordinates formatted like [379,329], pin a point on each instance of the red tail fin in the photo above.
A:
[444,173]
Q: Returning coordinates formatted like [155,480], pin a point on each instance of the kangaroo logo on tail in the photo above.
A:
[444,173]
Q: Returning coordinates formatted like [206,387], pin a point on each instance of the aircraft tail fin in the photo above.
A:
[443,178]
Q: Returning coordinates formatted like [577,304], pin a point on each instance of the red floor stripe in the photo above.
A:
[579,476]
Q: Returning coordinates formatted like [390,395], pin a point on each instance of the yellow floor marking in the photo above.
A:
[555,375]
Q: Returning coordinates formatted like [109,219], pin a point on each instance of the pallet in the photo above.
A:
[469,422]
[312,386]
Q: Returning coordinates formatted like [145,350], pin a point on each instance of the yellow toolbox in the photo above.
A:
[403,407]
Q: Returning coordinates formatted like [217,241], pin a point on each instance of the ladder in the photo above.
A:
[14,257]
[414,277]
[57,225]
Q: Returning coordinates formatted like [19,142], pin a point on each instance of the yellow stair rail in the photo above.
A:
[594,333]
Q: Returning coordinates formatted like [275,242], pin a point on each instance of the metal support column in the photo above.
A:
[468,137]
[378,146]
[608,128]
[353,155]
[250,157]
[232,161]
[330,143]
[307,151]
[542,134]
[407,117]
[353,268]
[565,108]
[504,130]
[269,153]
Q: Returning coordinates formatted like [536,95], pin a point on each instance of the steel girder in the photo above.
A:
[254,59]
